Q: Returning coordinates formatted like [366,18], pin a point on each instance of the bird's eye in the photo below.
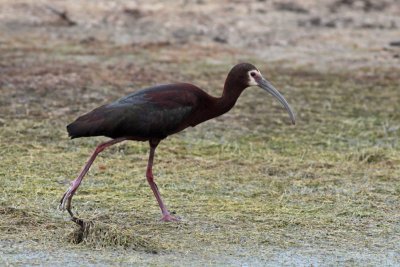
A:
[252,74]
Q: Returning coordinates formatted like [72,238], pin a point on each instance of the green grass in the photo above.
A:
[244,184]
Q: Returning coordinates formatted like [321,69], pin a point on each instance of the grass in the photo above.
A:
[245,184]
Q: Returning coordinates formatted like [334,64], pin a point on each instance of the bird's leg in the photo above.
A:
[167,217]
[65,203]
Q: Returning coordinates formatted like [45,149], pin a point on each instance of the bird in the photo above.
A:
[154,113]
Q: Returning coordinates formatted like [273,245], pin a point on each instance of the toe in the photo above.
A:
[169,218]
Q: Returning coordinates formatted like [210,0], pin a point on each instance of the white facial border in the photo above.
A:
[252,81]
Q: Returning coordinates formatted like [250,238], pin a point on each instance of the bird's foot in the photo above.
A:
[170,218]
[65,202]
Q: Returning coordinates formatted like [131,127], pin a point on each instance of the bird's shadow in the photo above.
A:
[83,231]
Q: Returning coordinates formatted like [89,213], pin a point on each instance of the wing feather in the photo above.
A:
[155,112]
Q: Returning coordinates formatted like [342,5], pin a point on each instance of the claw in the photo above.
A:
[65,202]
[60,206]
[170,218]
[62,201]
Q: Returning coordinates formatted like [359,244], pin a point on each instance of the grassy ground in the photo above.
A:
[250,189]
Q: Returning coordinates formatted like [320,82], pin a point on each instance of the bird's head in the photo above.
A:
[245,75]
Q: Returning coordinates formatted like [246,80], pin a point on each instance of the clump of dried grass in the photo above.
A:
[98,235]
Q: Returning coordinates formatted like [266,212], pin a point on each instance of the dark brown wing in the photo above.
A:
[154,112]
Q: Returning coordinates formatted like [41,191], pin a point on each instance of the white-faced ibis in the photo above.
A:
[154,113]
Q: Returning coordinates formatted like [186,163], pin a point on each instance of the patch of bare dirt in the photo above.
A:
[321,34]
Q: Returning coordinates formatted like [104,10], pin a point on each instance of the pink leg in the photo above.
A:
[167,217]
[65,203]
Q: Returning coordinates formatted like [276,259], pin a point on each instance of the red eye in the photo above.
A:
[252,74]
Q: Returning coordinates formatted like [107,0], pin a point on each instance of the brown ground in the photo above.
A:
[316,34]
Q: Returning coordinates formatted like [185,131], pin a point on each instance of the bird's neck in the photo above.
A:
[229,97]
[216,106]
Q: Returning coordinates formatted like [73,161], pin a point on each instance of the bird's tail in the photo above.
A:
[90,124]
[75,130]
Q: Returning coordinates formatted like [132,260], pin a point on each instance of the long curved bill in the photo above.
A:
[267,86]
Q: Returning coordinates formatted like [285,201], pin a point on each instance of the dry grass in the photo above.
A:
[245,184]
